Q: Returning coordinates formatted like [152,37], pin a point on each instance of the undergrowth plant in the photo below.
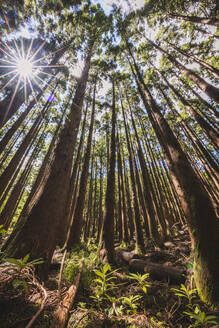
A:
[104,284]
[131,302]
[141,279]
[185,292]
[18,265]
[201,319]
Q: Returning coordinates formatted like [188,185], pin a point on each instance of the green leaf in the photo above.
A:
[100,274]
[16,283]
[25,259]
[24,283]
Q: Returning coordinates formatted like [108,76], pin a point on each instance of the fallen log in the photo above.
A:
[126,256]
[160,272]
[61,314]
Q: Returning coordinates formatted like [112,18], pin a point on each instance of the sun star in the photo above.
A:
[24,67]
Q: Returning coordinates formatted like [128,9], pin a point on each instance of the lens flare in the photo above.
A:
[24,67]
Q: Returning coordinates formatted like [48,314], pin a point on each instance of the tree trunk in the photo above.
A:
[77,224]
[195,202]
[38,236]
[194,19]
[108,225]
[209,89]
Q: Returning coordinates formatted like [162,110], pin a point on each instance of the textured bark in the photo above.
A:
[7,214]
[38,236]
[61,314]
[195,202]
[108,225]
[128,200]
[69,209]
[20,120]
[148,190]
[77,224]
[137,218]
[209,89]
[100,214]
[10,169]
[123,203]
[208,129]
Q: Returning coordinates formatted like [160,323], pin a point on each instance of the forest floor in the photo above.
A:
[120,301]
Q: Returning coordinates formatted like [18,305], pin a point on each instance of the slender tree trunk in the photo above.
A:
[137,219]
[10,169]
[209,130]
[194,19]
[38,236]
[20,120]
[209,89]
[108,225]
[194,200]
[209,67]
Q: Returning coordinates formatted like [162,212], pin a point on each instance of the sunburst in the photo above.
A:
[22,67]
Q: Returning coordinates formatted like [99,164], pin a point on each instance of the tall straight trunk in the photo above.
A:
[119,202]
[9,171]
[20,120]
[192,135]
[10,105]
[208,129]
[122,196]
[94,223]
[37,187]
[109,211]
[69,203]
[148,187]
[100,214]
[209,67]
[195,19]
[208,106]
[128,199]
[43,172]
[38,236]
[160,174]
[77,224]
[142,203]
[12,201]
[137,218]
[209,89]
[196,204]
[90,202]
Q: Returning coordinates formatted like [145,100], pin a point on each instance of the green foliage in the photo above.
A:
[184,291]
[104,284]
[201,318]
[91,260]
[131,302]
[20,282]
[20,264]
[141,279]
[2,230]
